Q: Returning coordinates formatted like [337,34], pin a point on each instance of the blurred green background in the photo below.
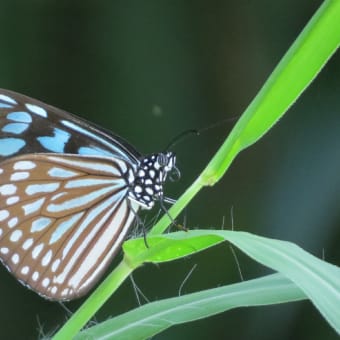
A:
[149,70]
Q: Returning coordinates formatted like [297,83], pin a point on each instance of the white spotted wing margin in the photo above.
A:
[62,219]
[30,126]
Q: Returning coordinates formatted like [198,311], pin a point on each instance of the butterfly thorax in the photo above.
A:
[148,179]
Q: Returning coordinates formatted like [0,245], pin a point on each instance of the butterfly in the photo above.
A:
[69,192]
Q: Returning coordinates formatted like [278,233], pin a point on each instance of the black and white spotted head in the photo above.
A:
[146,184]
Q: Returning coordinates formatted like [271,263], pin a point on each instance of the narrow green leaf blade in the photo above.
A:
[319,280]
[150,319]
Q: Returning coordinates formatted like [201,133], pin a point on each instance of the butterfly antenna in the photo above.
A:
[197,132]
[219,123]
[180,136]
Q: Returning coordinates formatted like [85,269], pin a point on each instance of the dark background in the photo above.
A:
[149,70]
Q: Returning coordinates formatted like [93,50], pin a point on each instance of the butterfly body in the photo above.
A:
[69,192]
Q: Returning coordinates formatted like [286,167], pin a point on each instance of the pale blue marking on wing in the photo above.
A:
[57,142]
[16,128]
[33,207]
[5,106]
[61,173]
[76,127]
[85,182]
[94,150]
[20,116]
[64,227]
[33,189]
[40,224]
[79,202]
[10,146]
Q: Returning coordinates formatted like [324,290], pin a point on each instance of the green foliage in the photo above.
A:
[150,319]
[310,277]
[302,275]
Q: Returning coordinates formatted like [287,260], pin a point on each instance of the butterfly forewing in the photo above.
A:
[30,126]
[62,219]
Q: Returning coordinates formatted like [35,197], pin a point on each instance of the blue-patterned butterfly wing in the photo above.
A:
[30,126]
[60,253]
[62,219]
[69,192]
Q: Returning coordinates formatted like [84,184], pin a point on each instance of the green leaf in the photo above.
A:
[171,247]
[319,280]
[148,320]
[301,275]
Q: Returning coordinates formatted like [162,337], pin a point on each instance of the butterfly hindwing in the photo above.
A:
[62,219]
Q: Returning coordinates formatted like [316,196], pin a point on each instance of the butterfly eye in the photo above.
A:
[162,160]
[69,192]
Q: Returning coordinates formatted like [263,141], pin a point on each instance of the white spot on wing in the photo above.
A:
[12,200]
[45,282]
[55,265]
[16,235]
[8,189]
[25,270]
[35,276]
[24,165]
[19,176]
[15,258]
[4,250]
[12,222]
[37,110]
[37,250]
[54,290]
[7,99]
[27,244]
[3,214]
[65,291]
[47,258]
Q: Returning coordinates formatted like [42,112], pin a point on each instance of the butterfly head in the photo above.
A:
[150,176]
